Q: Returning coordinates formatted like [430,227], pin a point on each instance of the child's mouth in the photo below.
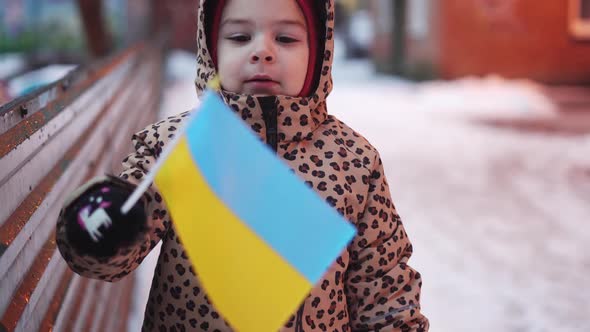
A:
[262,82]
[262,85]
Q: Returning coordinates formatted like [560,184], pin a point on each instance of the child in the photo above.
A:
[274,61]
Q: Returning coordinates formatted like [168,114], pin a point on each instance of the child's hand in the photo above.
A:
[94,222]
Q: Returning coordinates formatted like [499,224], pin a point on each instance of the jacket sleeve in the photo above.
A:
[383,291]
[135,167]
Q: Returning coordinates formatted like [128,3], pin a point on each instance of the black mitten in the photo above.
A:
[94,223]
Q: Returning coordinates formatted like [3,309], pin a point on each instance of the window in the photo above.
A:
[579,18]
[418,26]
[585,10]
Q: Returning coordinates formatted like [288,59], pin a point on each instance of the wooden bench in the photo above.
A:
[51,141]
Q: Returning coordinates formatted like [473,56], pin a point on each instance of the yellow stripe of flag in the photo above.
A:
[258,275]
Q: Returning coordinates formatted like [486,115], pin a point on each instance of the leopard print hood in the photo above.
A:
[297,117]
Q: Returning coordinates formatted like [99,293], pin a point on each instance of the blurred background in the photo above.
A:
[480,110]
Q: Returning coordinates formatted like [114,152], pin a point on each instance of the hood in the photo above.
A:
[297,117]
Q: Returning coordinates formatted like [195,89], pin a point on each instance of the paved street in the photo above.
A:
[499,214]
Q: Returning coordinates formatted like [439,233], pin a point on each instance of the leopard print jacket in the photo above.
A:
[370,287]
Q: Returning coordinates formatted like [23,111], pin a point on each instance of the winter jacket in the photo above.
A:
[370,287]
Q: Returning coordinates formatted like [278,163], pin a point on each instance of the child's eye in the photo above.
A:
[239,38]
[286,40]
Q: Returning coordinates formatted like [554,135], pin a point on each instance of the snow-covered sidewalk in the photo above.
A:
[498,217]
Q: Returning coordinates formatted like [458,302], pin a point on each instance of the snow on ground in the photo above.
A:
[498,218]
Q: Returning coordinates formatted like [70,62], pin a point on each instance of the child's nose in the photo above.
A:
[263,52]
[267,58]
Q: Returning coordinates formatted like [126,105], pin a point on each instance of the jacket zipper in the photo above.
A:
[299,319]
[269,114]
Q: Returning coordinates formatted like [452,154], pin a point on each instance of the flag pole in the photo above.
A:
[149,178]
[215,85]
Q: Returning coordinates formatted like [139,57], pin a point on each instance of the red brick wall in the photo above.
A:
[513,38]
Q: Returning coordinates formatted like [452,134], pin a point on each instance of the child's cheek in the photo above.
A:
[228,67]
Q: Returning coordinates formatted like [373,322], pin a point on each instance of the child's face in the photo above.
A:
[263,47]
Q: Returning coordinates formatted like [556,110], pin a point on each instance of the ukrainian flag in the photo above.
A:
[257,236]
